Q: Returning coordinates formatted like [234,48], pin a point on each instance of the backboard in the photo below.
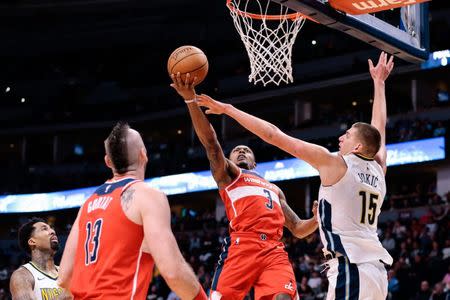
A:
[408,39]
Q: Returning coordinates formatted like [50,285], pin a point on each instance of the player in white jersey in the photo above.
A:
[351,193]
[36,280]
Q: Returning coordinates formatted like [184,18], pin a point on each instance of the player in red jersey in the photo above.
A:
[253,255]
[122,230]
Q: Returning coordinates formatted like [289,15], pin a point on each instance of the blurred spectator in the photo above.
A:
[304,290]
[424,293]
[388,242]
[438,292]
[393,285]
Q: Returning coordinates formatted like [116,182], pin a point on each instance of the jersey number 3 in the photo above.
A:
[269,204]
[368,209]
[93,234]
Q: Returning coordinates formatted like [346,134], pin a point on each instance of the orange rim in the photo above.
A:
[292,16]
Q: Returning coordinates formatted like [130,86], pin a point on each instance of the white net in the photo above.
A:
[268,32]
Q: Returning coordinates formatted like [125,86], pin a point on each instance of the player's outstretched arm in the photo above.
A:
[68,258]
[379,74]
[155,214]
[222,169]
[317,156]
[299,228]
[21,285]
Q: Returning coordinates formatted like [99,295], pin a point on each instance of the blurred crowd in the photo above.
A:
[420,247]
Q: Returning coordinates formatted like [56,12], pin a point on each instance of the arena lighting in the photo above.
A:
[287,169]
[437,59]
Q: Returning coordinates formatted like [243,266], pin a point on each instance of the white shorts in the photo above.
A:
[347,281]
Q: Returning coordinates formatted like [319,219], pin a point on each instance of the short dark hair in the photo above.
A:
[116,147]
[25,233]
[370,137]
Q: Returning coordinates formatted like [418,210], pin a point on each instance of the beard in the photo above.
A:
[54,245]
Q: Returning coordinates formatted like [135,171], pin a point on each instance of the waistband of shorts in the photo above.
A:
[255,236]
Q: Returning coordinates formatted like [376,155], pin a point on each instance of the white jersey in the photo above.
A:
[45,287]
[348,212]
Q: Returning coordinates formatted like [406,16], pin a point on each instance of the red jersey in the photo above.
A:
[253,205]
[109,263]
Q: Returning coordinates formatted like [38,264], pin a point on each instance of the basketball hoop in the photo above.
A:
[268,32]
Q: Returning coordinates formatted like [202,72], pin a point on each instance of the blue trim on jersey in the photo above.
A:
[333,240]
[341,281]
[252,173]
[223,256]
[347,284]
[108,188]
[322,224]
[354,281]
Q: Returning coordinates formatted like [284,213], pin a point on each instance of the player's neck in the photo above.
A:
[43,260]
[129,174]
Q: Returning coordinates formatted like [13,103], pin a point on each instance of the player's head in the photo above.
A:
[37,235]
[125,150]
[361,138]
[243,157]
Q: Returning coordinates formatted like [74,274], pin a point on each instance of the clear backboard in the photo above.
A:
[402,32]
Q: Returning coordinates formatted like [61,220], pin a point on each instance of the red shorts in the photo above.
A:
[251,261]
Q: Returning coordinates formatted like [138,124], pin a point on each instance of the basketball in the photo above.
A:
[188,59]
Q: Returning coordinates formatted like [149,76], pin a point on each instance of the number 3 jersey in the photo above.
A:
[253,206]
[348,212]
[109,262]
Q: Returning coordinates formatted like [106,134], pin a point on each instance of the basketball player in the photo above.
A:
[122,230]
[36,280]
[351,194]
[253,255]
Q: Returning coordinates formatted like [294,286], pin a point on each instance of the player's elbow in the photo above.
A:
[173,277]
[171,272]
[300,231]
[272,134]
[300,234]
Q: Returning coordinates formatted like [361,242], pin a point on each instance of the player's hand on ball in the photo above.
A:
[213,106]
[184,89]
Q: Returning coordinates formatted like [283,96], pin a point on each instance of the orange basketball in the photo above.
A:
[188,59]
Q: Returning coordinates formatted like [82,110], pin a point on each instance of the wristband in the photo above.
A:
[201,295]
[191,100]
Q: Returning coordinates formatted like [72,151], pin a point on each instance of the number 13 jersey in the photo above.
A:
[110,262]
[348,212]
[253,206]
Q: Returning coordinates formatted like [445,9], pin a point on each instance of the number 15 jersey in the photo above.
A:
[348,212]
[253,206]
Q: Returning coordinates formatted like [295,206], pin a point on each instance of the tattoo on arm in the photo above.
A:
[291,218]
[127,198]
[21,285]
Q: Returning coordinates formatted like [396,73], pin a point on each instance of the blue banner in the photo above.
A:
[397,154]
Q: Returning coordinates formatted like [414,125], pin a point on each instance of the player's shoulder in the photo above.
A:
[142,190]
[21,274]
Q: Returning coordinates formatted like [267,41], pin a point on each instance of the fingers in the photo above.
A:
[178,80]
[186,81]
[391,63]
[370,64]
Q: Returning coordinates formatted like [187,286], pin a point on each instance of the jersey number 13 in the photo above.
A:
[93,233]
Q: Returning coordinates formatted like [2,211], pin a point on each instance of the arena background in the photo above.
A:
[70,69]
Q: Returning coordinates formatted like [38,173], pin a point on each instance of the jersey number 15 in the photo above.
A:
[368,209]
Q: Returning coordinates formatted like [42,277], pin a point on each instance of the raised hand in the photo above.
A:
[381,71]
[184,89]
[213,106]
